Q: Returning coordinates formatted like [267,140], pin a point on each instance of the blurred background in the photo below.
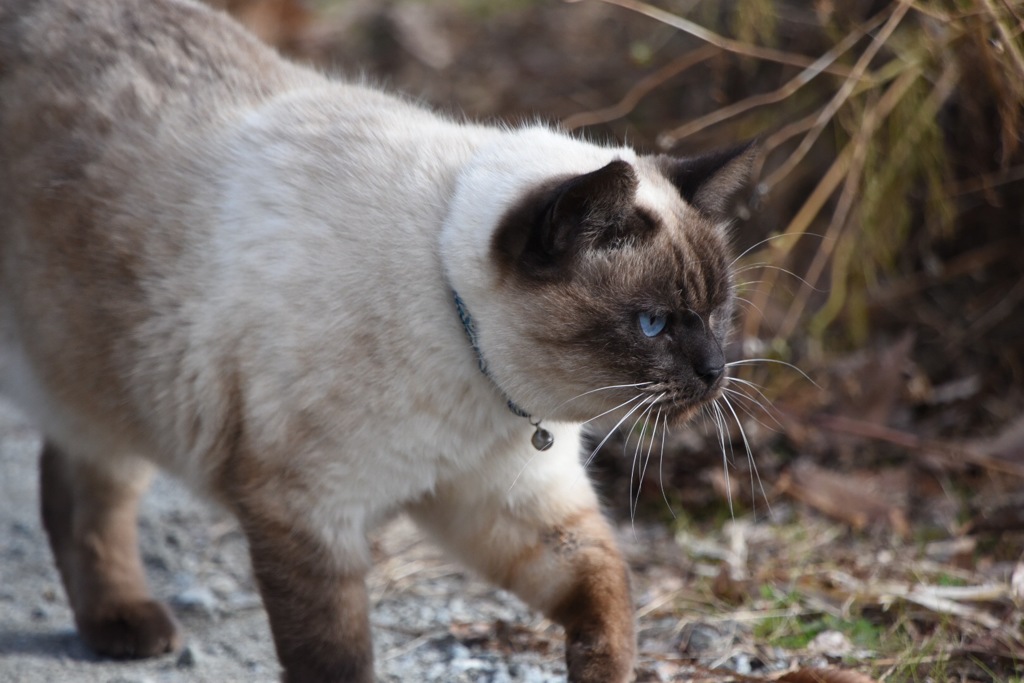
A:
[880,331]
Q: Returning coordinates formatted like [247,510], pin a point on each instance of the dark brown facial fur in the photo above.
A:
[599,262]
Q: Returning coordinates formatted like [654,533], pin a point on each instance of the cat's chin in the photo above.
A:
[681,413]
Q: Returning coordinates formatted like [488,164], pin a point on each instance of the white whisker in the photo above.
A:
[650,446]
[746,283]
[612,410]
[706,412]
[753,385]
[769,239]
[750,303]
[647,458]
[750,458]
[625,417]
[724,437]
[639,444]
[661,462]
[594,391]
[635,466]
[719,421]
[632,430]
[739,394]
[522,469]
[757,389]
[769,266]
[751,361]
[645,416]
[527,464]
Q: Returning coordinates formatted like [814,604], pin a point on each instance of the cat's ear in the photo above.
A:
[710,181]
[589,211]
[588,208]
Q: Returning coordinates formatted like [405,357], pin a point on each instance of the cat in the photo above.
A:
[322,305]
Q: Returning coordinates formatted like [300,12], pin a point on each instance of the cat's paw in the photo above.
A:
[130,630]
[598,661]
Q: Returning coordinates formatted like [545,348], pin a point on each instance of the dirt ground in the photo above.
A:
[432,621]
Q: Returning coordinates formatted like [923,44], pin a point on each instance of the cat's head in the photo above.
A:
[612,286]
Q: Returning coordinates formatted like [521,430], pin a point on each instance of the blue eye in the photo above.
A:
[652,324]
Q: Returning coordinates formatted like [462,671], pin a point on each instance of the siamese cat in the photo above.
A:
[322,305]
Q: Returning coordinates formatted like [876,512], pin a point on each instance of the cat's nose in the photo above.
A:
[710,371]
[709,363]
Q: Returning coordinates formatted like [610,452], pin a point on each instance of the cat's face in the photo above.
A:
[619,283]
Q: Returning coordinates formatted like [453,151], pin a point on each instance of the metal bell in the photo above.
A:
[542,438]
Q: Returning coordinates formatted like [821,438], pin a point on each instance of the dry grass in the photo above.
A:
[873,101]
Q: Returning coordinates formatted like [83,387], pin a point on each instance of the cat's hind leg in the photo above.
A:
[539,533]
[90,514]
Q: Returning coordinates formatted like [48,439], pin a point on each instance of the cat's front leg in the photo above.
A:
[545,539]
[312,586]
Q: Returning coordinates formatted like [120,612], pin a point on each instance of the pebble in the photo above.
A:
[741,663]
[705,640]
[156,561]
[241,602]
[222,585]
[19,528]
[831,644]
[196,600]
[189,658]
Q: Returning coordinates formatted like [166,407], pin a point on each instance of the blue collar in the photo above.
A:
[542,438]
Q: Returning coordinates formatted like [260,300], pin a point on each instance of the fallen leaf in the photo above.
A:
[824,676]
[858,499]
[727,588]
[1008,444]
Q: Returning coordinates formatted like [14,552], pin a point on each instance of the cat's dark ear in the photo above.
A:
[587,208]
[710,181]
[553,223]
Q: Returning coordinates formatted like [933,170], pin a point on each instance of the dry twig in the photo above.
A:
[641,89]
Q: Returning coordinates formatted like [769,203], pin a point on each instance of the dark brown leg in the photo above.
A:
[89,513]
[597,613]
[315,596]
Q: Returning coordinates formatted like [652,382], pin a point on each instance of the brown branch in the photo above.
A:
[641,89]
[841,96]
[828,184]
[1009,44]
[727,44]
[973,261]
[986,182]
[668,139]
[950,452]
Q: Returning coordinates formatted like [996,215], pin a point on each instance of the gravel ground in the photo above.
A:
[431,622]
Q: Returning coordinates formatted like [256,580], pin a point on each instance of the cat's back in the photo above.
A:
[99,55]
[106,107]
[90,82]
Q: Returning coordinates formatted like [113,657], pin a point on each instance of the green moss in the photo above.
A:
[797,632]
